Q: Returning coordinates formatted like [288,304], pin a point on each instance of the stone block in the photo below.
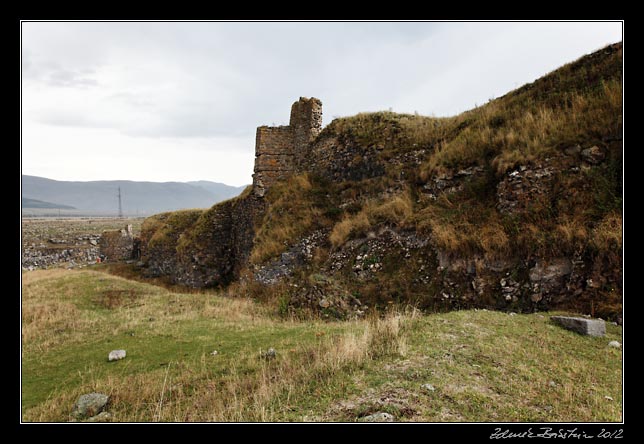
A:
[590,327]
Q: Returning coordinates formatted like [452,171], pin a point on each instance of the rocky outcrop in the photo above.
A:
[451,182]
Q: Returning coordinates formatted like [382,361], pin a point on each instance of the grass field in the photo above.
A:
[482,365]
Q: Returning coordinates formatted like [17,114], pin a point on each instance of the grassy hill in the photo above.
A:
[482,365]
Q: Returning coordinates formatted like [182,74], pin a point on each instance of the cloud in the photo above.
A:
[73,79]
[197,82]
[50,73]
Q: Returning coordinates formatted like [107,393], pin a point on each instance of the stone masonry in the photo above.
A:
[220,248]
[282,150]
[118,245]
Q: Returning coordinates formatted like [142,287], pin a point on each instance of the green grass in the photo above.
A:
[485,366]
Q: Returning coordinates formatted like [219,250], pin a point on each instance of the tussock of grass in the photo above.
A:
[394,211]
[608,233]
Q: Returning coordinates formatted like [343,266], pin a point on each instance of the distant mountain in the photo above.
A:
[137,198]
[35,203]
[219,190]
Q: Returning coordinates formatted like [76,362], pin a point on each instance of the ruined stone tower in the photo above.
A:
[280,151]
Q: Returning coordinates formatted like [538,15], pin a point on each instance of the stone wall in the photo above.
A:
[208,248]
[306,121]
[247,212]
[274,156]
[205,252]
[282,150]
[339,159]
[117,245]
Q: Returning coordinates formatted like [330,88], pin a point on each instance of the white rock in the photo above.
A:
[608,398]
[115,355]
[428,387]
[378,417]
[214,353]
[614,344]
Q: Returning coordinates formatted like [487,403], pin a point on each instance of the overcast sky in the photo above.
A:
[180,101]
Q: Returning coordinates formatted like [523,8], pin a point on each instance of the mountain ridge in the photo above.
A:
[137,197]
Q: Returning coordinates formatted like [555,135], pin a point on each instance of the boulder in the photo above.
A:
[115,355]
[89,405]
[590,327]
[378,417]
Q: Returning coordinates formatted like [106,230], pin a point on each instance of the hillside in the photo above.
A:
[515,205]
[138,198]
[35,203]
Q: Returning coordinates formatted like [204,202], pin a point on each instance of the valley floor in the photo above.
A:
[453,367]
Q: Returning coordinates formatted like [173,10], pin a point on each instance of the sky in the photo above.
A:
[180,101]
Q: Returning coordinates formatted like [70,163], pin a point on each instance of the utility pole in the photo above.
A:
[120,207]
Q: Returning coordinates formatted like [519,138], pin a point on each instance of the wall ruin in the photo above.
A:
[118,245]
[207,248]
[282,150]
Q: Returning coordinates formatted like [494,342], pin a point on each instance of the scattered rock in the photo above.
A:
[593,155]
[214,353]
[608,398]
[324,303]
[428,387]
[614,344]
[552,384]
[116,355]
[101,417]
[512,313]
[590,327]
[89,405]
[378,417]
[268,354]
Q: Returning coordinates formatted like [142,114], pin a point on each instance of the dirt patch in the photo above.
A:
[116,298]
[399,402]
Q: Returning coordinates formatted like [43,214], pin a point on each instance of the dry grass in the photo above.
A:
[244,389]
[608,234]
[163,230]
[394,211]
[295,207]
[391,131]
